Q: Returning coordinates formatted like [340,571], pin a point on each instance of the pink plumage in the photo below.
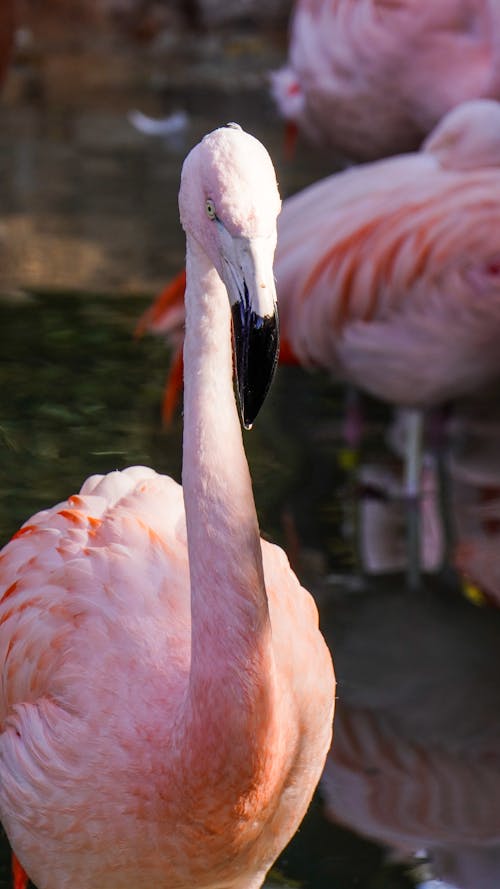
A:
[371,77]
[166,697]
[388,274]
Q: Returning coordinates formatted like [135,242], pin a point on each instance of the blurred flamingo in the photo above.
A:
[416,761]
[166,694]
[371,79]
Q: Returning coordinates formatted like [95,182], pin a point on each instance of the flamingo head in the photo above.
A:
[229,202]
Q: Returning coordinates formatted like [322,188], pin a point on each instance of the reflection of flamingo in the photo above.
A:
[166,695]
[474,471]
[471,463]
[416,762]
[372,79]
[381,521]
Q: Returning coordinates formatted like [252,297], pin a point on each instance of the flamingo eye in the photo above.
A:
[210,208]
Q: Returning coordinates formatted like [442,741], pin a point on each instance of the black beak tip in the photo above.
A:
[249,409]
[257,349]
[247,424]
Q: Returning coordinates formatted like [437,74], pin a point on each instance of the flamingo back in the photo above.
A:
[372,78]
[378,267]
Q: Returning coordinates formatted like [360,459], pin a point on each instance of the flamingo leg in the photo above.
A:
[440,445]
[413,475]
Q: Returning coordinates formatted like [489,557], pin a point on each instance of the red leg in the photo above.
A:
[172,295]
[20,878]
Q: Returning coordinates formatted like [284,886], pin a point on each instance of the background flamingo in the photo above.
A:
[415,764]
[373,78]
[166,695]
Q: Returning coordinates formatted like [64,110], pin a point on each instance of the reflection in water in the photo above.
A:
[415,761]
[475,476]
[460,501]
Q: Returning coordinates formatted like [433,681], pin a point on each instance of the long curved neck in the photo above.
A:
[229,609]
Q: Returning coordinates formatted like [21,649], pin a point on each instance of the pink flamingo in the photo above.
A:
[167,697]
[372,78]
[389,274]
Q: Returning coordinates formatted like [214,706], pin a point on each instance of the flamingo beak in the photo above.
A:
[249,279]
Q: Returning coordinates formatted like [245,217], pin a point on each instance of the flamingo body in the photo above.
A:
[372,78]
[96,663]
[388,274]
[167,697]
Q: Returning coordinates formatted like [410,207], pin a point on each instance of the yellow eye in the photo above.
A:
[210,208]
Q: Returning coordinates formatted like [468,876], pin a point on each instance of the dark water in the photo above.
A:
[88,232]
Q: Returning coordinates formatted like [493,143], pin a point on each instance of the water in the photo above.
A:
[89,232]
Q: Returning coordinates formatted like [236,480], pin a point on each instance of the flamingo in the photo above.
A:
[167,697]
[371,78]
[388,274]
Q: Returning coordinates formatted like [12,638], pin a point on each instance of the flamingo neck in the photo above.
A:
[229,612]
